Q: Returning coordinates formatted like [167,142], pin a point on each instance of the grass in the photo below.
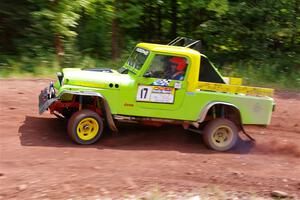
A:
[253,73]
[264,75]
[47,67]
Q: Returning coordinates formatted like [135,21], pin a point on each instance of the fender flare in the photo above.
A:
[208,106]
[211,104]
[106,108]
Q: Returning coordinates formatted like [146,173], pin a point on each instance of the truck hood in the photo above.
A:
[96,78]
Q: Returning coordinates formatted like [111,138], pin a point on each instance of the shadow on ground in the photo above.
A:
[51,132]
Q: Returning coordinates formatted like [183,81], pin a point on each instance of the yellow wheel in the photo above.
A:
[220,134]
[85,127]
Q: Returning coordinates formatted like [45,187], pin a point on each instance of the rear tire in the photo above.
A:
[85,127]
[220,134]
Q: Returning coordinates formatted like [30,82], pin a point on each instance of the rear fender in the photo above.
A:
[206,109]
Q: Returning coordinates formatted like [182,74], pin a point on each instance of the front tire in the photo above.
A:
[85,127]
[220,134]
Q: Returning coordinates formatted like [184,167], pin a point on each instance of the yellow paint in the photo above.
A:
[192,80]
[235,89]
[168,49]
[87,128]
[234,80]
[90,84]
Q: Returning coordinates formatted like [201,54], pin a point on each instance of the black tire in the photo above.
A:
[220,134]
[85,127]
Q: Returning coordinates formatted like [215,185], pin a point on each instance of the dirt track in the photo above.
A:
[39,161]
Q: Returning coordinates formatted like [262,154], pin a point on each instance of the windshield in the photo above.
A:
[137,58]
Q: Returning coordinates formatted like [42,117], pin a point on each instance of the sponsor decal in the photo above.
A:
[143,51]
[177,85]
[190,93]
[157,94]
[128,105]
[161,82]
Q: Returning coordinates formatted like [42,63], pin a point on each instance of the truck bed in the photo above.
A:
[235,89]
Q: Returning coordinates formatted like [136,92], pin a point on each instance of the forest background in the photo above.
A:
[258,40]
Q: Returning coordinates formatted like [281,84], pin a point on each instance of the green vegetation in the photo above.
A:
[259,40]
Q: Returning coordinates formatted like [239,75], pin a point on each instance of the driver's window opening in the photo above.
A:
[167,67]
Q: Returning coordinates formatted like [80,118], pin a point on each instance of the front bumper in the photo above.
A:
[44,101]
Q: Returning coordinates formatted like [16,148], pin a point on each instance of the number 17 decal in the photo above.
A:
[144,93]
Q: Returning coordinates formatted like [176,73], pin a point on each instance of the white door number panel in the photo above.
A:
[143,93]
[156,94]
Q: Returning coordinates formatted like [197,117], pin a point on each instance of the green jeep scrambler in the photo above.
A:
[159,84]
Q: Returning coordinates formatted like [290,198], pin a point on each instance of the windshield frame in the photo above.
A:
[138,66]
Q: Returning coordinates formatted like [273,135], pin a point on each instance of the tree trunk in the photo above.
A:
[296,13]
[114,33]
[159,19]
[174,10]
[59,46]
[59,49]
[114,39]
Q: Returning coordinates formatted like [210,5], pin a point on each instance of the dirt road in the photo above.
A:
[39,161]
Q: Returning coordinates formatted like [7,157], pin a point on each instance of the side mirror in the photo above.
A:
[148,74]
[60,77]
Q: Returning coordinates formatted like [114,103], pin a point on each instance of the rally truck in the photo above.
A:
[158,84]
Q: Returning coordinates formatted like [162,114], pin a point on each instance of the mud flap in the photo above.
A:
[247,135]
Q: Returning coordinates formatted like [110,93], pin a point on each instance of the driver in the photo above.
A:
[176,69]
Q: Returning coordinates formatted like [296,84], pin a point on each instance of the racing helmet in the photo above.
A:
[180,62]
